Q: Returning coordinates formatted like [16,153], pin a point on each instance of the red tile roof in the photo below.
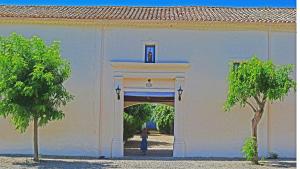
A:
[190,13]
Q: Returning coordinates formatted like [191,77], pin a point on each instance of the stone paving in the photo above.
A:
[15,162]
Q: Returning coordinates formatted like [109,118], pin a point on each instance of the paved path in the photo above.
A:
[149,163]
[159,145]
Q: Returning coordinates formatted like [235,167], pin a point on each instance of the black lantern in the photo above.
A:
[149,84]
[118,91]
[179,93]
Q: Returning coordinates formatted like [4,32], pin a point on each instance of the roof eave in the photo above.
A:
[211,25]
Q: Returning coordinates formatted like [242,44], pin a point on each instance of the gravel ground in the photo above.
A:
[15,162]
[159,145]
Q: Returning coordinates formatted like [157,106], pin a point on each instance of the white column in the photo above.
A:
[117,141]
[179,144]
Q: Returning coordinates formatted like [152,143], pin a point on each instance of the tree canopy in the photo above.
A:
[31,77]
[31,82]
[140,112]
[163,115]
[134,117]
[259,80]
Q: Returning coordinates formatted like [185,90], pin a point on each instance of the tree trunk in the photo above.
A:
[35,139]
[255,122]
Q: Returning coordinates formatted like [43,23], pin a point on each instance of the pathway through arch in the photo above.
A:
[159,145]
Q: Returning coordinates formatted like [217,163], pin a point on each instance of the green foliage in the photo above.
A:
[141,113]
[163,115]
[249,149]
[134,117]
[261,80]
[254,82]
[31,80]
[130,126]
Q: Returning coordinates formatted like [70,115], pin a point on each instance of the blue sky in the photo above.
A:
[230,3]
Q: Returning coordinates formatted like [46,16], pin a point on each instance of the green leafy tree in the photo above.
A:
[31,82]
[141,113]
[253,83]
[134,117]
[130,126]
[163,115]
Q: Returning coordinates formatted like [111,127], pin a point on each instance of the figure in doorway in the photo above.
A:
[150,60]
[144,143]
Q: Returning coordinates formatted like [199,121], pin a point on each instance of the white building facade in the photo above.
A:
[191,54]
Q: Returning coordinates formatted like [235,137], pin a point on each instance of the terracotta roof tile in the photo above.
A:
[190,13]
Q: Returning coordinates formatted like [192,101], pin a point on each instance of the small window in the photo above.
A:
[149,53]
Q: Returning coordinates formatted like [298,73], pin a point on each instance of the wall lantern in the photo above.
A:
[118,91]
[179,93]
[149,84]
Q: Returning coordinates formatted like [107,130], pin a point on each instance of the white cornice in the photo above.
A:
[140,66]
[149,70]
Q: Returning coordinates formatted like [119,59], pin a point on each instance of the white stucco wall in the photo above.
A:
[282,124]
[78,133]
[208,131]
[208,52]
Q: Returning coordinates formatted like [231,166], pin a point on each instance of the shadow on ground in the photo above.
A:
[136,143]
[59,164]
[150,153]
[279,164]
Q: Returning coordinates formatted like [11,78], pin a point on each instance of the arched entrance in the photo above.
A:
[154,110]
[133,77]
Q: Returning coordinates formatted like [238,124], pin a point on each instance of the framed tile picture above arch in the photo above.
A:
[150,53]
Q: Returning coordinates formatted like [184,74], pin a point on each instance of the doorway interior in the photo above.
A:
[154,111]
